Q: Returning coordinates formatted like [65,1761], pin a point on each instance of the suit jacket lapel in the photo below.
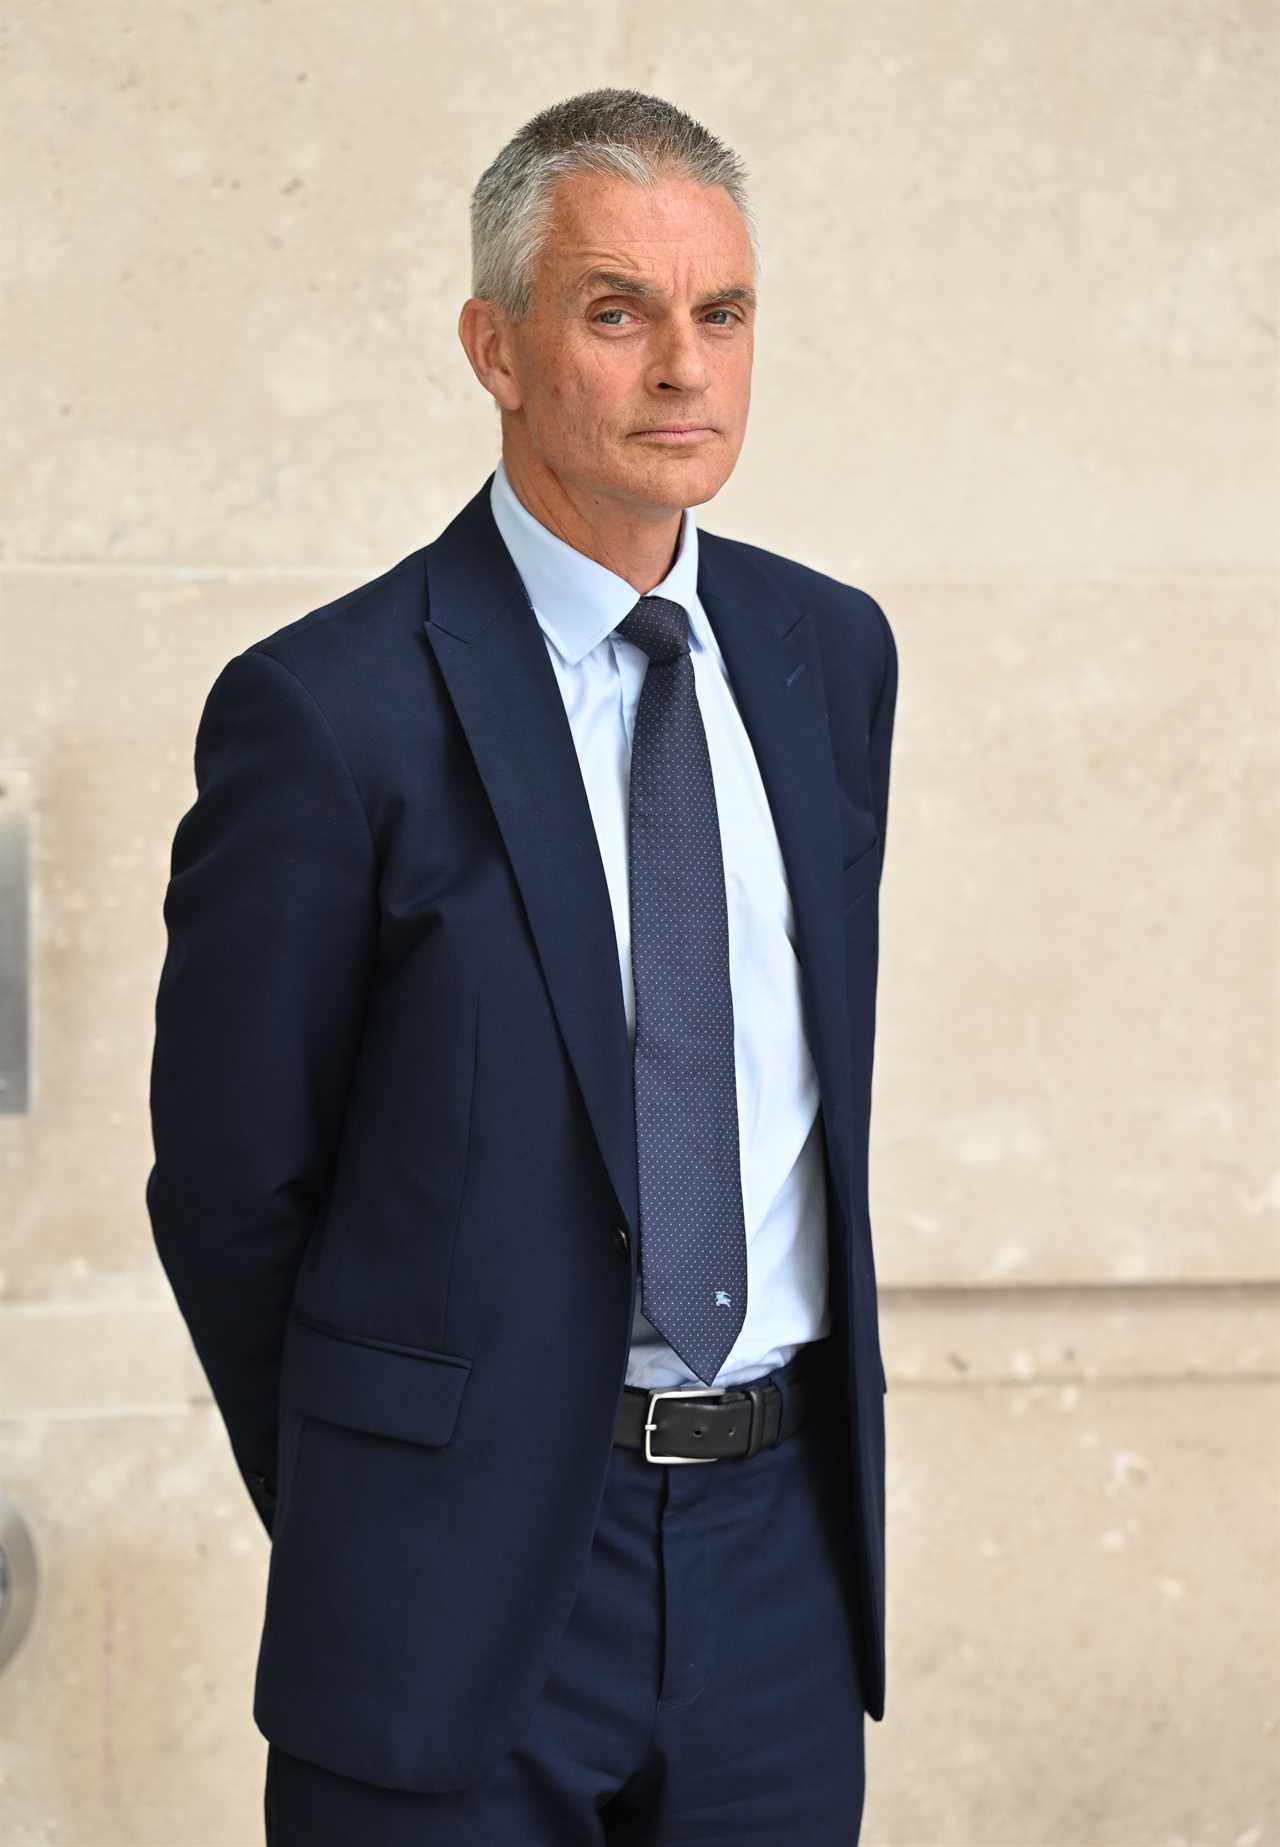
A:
[494,661]
[775,668]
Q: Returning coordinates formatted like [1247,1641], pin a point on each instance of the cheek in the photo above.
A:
[595,397]
[571,386]
[584,389]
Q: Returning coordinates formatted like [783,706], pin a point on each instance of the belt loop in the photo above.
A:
[755,1438]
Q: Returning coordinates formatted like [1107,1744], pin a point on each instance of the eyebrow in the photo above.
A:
[616,282]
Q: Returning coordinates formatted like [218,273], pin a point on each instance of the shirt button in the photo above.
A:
[621,1240]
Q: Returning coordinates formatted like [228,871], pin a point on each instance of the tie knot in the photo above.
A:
[659,626]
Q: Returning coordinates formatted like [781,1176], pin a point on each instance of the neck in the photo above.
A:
[637,543]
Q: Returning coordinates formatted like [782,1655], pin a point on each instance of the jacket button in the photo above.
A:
[621,1240]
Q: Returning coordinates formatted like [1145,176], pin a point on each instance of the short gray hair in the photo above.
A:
[640,138]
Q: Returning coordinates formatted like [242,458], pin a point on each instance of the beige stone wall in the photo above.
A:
[1016,376]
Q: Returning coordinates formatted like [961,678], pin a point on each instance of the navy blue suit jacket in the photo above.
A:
[393,1119]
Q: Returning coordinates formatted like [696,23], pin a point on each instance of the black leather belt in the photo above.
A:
[709,1423]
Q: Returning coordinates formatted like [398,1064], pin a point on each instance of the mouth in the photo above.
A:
[676,433]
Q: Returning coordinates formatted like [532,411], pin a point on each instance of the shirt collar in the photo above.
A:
[576,600]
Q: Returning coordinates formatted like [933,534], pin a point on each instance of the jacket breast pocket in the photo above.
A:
[859,876]
[412,1393]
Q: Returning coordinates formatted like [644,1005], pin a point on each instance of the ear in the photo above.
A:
[485,333]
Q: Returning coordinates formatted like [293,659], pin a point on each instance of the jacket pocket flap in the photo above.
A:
[406,1392]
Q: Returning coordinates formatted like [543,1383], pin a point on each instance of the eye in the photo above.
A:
[599,316]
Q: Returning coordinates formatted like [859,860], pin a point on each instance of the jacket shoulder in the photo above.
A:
[834,602]
[817,590]
[323,642]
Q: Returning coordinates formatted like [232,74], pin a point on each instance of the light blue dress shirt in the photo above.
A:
[578,603]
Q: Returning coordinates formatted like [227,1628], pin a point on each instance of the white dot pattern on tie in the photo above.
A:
[693,1243]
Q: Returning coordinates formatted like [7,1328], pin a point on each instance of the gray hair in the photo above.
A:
[639,137]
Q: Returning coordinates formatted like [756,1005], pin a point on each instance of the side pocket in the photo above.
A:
[293,1430]
[364,1383]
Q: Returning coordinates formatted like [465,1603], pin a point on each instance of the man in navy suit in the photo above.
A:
[409,1144]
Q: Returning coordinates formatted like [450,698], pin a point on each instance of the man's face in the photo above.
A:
[603,361]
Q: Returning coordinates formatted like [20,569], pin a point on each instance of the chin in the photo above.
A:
[680,476]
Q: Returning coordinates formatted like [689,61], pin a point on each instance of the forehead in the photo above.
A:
[602,221]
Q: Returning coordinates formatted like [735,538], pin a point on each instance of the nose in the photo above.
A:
[680,362]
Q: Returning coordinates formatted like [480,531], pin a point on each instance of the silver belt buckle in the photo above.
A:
[677,1391]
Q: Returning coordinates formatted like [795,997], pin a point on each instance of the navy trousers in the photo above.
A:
[705,1690]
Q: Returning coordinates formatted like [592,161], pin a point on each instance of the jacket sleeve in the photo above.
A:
[880,741]
[880,749]
[270,913]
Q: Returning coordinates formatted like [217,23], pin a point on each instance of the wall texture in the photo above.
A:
[1015,376]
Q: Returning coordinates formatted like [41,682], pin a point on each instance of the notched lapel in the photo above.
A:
[494,661]
[771,652]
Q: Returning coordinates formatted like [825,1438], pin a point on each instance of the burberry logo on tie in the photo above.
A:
[722,1300]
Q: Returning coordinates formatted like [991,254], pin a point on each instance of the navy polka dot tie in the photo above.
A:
[693,1240]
